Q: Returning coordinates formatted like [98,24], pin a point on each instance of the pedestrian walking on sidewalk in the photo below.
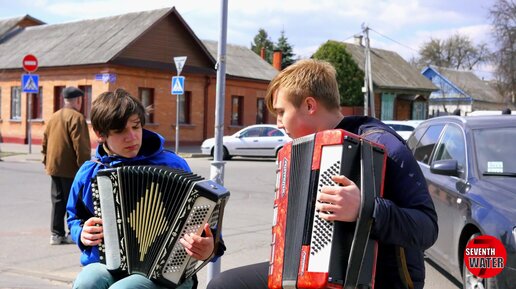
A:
[66,146]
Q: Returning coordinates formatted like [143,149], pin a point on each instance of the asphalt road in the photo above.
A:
[28,261]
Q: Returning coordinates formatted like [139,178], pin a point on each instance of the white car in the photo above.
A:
[259,140]
[403,127]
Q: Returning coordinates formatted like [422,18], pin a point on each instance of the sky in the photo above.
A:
[397,25]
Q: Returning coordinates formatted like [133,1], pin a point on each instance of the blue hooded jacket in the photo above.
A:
[80,204]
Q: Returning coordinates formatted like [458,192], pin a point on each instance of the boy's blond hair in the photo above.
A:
[309,77]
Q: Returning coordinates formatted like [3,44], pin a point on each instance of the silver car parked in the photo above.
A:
[259,140]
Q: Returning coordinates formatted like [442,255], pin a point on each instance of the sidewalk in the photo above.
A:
[24,152]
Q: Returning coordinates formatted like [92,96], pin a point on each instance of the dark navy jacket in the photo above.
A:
[405,216]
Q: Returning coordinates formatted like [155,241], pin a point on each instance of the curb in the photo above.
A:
[191,155]
[23,157]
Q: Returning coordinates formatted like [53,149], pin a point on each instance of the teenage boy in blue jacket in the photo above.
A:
[117,119]
[305,99]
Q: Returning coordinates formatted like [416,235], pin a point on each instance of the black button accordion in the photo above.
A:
[145,210]
[307,251]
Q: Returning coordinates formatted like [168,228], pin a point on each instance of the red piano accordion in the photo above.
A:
[307,251]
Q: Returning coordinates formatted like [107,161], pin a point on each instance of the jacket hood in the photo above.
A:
[152,144]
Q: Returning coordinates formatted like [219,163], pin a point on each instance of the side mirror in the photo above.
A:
[445,167]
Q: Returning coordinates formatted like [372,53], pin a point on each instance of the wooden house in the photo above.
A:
[400,91]
[460,91]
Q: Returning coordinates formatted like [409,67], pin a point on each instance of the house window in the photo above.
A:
[86,101]
[147,98]
[419,109]
[261,111]
[36,104]
[58,99]
[388,106]
[185,102]
[15,103]
[237,109]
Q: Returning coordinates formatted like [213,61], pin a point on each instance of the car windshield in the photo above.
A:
[495,151]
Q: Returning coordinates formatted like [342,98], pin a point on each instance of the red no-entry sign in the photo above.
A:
[30,63]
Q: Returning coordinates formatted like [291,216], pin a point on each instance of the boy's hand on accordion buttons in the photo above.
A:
[199,247]
[92,232]
[339,203]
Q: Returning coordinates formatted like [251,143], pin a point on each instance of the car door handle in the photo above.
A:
[255,140]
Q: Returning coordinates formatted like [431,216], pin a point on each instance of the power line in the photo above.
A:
[387,37]
[352,36]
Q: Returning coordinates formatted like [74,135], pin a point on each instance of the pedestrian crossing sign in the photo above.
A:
[30,83]
[178,85]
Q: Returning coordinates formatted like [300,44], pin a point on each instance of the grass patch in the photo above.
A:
[8,154]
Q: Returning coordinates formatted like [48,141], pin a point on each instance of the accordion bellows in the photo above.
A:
[145,210]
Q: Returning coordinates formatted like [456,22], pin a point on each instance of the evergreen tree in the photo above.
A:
[350,78]
[286,50]
[262,40]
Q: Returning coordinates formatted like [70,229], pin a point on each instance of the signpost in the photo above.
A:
[178,88]
[30,85]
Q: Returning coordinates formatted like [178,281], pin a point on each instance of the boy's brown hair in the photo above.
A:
[111,110]
[305,78]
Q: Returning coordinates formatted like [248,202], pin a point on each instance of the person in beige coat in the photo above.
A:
[66,146]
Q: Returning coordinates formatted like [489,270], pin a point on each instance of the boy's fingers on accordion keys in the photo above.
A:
[91,234]
[93,221]
[342,180]
[91,238]
[339,203]
[197,246]
[207,230]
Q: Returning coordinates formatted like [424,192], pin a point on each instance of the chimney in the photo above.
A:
[262,53]
[276,59]
[358,39]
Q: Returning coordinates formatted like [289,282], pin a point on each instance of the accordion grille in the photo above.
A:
[148,219]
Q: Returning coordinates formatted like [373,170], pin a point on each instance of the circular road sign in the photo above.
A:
[30,63]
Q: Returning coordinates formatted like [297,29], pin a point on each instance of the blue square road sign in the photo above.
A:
[178,85]
[30,83]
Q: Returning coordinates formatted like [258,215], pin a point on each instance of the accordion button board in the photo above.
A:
[145,210]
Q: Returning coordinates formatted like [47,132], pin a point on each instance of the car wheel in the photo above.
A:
[225,154]
[470,281]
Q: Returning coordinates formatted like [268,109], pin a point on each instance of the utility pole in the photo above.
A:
[217,165]
[368,76]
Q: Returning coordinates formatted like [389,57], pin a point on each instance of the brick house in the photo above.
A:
[133,51]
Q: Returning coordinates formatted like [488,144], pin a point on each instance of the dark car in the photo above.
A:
[470,167]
